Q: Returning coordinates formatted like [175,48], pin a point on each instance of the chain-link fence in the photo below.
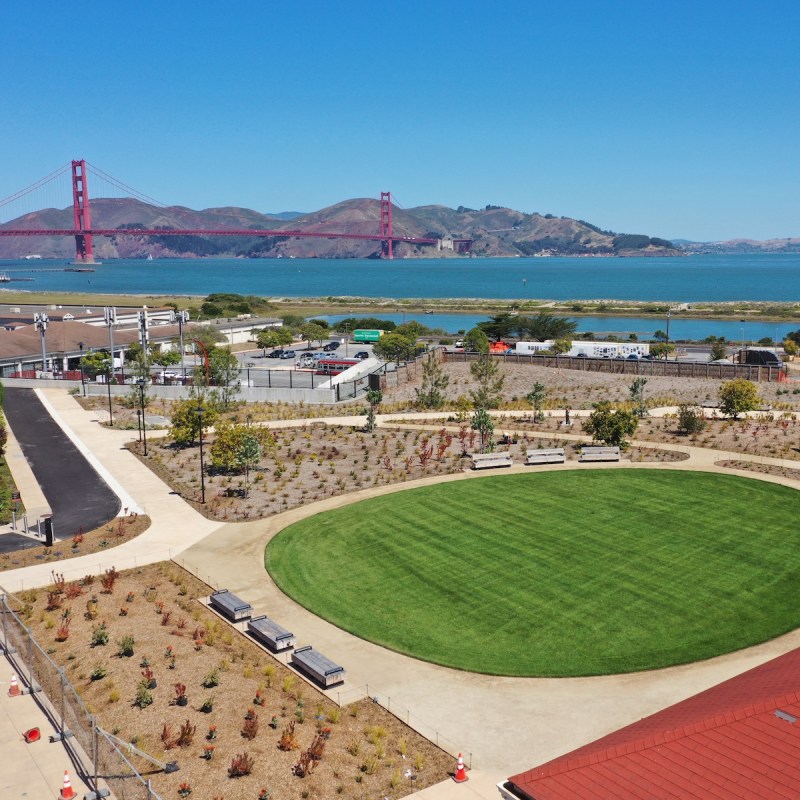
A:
[104,766]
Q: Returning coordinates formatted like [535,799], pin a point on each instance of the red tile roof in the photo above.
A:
[726,742]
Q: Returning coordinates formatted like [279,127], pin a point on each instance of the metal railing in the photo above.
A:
[104,767]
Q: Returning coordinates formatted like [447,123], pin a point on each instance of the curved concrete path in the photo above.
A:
[504,724]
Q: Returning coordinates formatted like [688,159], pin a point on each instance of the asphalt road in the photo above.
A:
[77,495]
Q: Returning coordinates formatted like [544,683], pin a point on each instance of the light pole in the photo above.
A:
[742,321]
[199,411]
[83,381]
[110,315]
[181,317]
[109,373]
[40,320]
[141,382]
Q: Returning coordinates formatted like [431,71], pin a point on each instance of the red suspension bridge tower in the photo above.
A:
[82,217]
[386,231]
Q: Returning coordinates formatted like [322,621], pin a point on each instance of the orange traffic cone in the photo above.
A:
[14,690]
[32,735]
[461,773]
[67,792]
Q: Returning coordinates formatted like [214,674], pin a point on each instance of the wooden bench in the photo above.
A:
[490,460]
[268,632]
[231,606]
[599,454]
[317,666]
[553,455]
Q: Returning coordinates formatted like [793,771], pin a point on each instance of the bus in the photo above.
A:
[333,366]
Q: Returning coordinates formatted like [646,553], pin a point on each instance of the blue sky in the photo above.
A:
[675,119]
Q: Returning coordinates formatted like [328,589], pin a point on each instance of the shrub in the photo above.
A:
[241,764]
[108,580]
[211,679]
[125,646]
[250,727]
[144,697]
[98,673]
[288,740]
[100,635]
[186,734]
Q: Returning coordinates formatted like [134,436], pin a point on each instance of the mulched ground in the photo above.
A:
[367,752]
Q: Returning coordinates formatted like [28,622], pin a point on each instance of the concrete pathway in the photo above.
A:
[502,725]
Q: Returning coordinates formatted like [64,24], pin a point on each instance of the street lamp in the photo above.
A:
[199,411]
[141,382]
[109,373]
[83,381]
[40,320]
[139,422]
[181,317]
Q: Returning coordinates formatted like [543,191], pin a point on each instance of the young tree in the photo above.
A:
[611,425]
[233,447]
[737,397]
[561,346]
[790,347]
[270,338]
[374,398]
[690,420]
[637,397]
[536,398]
[718,351]
[661,350]
[224,369]
[393,347]
[185,420]
[486,372]
[434,381]
[248,454]
[313,332]
[483,423]
[96,363]
[476,341]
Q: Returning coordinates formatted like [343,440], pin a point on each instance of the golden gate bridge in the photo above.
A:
[83,231]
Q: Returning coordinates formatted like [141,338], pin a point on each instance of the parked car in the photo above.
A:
[331,346]
[276,354]
[286,354]
[361,355]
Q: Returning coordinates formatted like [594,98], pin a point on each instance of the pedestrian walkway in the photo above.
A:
[34,770]
[501,724]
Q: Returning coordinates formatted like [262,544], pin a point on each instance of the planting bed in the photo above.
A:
[306,463]
[366,753]
[586,572]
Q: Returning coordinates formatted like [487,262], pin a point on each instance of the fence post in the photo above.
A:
[95,748]
[30,660]
[62,710]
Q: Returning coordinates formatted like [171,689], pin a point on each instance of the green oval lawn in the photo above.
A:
[561,573]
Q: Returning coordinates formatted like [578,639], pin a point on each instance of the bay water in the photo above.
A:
[766,278]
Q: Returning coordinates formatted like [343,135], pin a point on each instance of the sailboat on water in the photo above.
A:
[149,257]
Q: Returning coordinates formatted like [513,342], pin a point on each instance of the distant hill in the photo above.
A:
[496,232]
[791,245]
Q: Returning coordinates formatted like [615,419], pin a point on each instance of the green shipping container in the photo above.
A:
[367,335]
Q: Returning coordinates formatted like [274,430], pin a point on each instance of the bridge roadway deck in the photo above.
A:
[505,724]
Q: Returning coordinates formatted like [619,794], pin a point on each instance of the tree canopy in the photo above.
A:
[611,425]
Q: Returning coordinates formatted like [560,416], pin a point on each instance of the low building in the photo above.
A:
[736,740]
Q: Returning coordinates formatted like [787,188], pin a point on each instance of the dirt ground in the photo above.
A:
[569,388]
[367,752]
[116,532]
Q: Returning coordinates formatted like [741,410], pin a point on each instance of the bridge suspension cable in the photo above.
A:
[125,188]
[37,185]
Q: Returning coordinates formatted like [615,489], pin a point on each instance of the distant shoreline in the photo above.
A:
[764,311]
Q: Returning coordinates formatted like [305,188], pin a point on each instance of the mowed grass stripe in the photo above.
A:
[562,573]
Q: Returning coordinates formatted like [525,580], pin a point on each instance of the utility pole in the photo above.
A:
[110,315]
[181,317]
[40,320]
